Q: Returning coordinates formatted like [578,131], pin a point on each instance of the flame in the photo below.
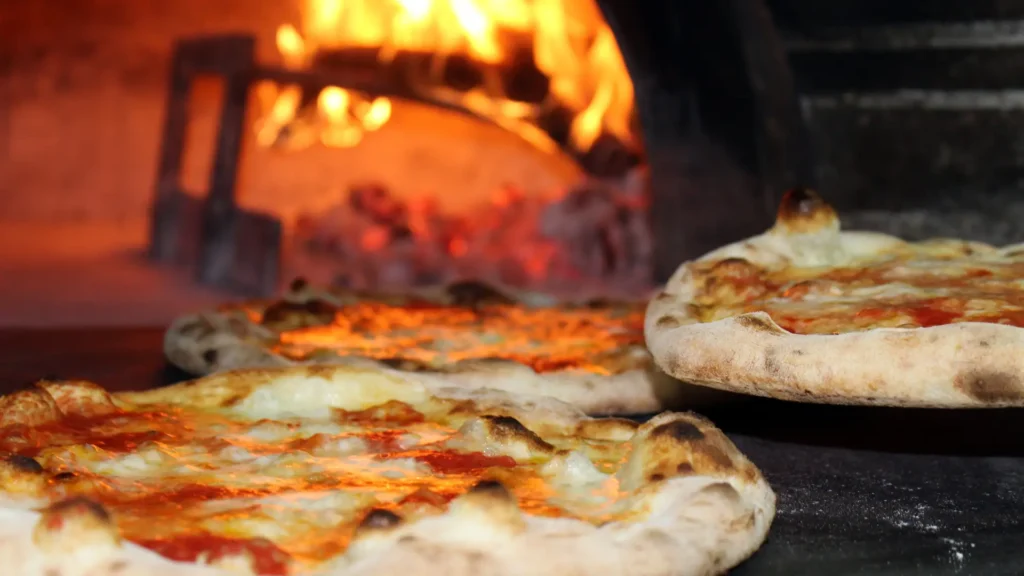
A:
[570,43]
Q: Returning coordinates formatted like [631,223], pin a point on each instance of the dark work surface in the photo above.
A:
[861,490]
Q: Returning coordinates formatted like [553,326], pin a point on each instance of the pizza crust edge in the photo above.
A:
[957,365]
[710,508]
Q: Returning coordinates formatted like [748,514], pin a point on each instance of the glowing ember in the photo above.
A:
[568,41]
[593,239]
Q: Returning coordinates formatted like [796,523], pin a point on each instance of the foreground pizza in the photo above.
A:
[807,312]
[339,470]
[590,355]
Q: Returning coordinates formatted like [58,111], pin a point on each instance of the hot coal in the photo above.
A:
[593,236]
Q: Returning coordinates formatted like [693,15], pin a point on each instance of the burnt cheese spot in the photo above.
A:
[24,464]
[656,477]
[64,476]
[379,519]
[684,468]
[679,430]
[987,386]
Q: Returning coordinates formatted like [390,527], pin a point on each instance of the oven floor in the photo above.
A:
[90,274]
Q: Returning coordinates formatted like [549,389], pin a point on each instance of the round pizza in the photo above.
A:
[341,470]
[589,354]
[808,312]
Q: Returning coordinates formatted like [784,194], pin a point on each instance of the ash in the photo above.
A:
[592,240]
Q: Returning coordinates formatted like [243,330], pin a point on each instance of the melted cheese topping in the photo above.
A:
[205,485]
[911,289]
[546,339]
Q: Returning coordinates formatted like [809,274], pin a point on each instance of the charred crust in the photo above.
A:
[716,455]
[198,329]
[680,430]
[599,304]
[607,428]
[405,364]
[380,519]
[669,321]
[504,428]
[80,505]
[734,268]
[799,202]
[758,324]
[298,284]
[314,312]
[24,464]
[471,293]
[210,356]
[990,387]
[803,210]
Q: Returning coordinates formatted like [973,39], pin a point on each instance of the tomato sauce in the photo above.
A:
[114,432]
[267,558]
[929,315]
[452,462]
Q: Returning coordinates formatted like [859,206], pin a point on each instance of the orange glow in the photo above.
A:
[570,43]
[544,339]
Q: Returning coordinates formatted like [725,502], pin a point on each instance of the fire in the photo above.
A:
[568,39]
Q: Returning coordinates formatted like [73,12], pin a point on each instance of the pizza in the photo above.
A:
[808,312]
[590,354]
[341,470]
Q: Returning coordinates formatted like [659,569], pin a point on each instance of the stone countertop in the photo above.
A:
[861,490]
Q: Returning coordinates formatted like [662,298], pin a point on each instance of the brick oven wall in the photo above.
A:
[82,88]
